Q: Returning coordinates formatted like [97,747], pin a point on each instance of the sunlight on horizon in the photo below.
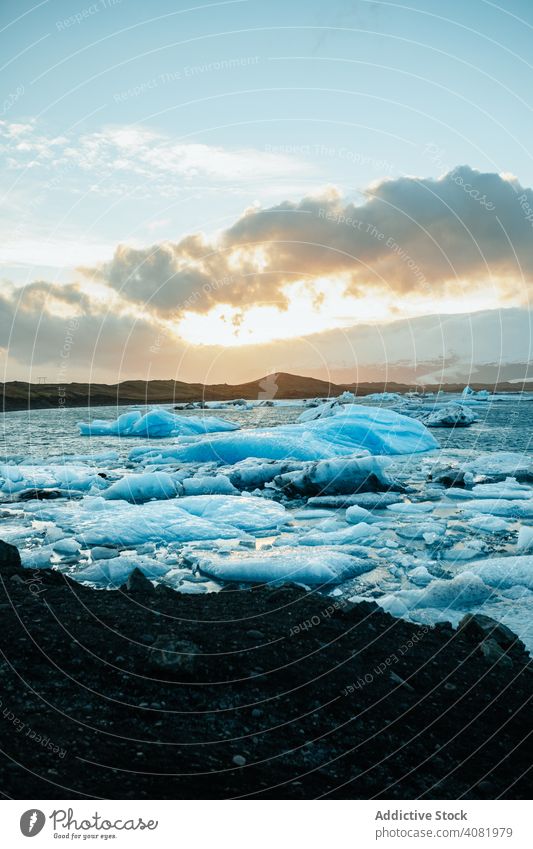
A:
[315,311]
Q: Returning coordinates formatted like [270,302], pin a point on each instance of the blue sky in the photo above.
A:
[127,123]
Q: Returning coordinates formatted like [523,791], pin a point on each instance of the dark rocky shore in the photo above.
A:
[261,693]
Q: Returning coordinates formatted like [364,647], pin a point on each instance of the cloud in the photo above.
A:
[142,152]
[442,240]
[410,237]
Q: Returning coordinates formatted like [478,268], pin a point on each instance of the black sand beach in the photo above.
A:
[257,693]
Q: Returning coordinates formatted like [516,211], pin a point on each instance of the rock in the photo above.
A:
[238,760]
[9,559]
[138,583]
[494,653]
[481,627]
[255,635]
[177,657]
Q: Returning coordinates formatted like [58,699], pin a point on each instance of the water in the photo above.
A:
[40,434]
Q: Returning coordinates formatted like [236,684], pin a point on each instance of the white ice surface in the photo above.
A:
[311,568]
[156,423]
[97,521]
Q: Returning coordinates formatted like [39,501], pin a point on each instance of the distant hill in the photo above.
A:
[18,395]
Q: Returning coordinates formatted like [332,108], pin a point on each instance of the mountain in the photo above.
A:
[18,395]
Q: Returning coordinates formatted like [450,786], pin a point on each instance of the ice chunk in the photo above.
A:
[489,524]
[37,558]
[209,485]
[330,477]
[509,490]
[512,509]
[249,474]
[345,536]
[369,500]
[97,521]
[66,479]
[450,415]
[420,575]
[350,429]
[384,397]
[356,514]
[506,572]
[102,553]
[498,463]
[322,411]
[462,592]
[412,507]
[525,538]
[115,572]
[311,567]
[144,487]
[156,423]
[66,546]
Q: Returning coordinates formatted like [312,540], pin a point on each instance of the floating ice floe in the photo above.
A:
[384,397]
[65,479]
[283,565]
[144,487]
[489,524]
[450,415]
[515,509]
[339,476]
[463,592]
[155,424]
[499,463]
[250,474]
[115,572]
[349,429]
[506,572]
[209,485]
[344,536]
[97,521]
[525,538]
[507,490]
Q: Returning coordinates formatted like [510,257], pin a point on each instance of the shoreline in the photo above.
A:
[266,692]
[19,395]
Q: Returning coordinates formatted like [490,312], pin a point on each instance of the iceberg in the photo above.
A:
[525,538]
[155,424]
[336,477]
[66,479]
[450,415]
[344,536]
[282,565]
[115,572]
[498,507]
[144,487]
[99,522]
[460,593]
[348,430]
[506,572]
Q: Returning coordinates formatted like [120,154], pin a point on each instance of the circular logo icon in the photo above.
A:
[32,822]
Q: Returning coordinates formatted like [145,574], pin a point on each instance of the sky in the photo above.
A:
[210,191]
